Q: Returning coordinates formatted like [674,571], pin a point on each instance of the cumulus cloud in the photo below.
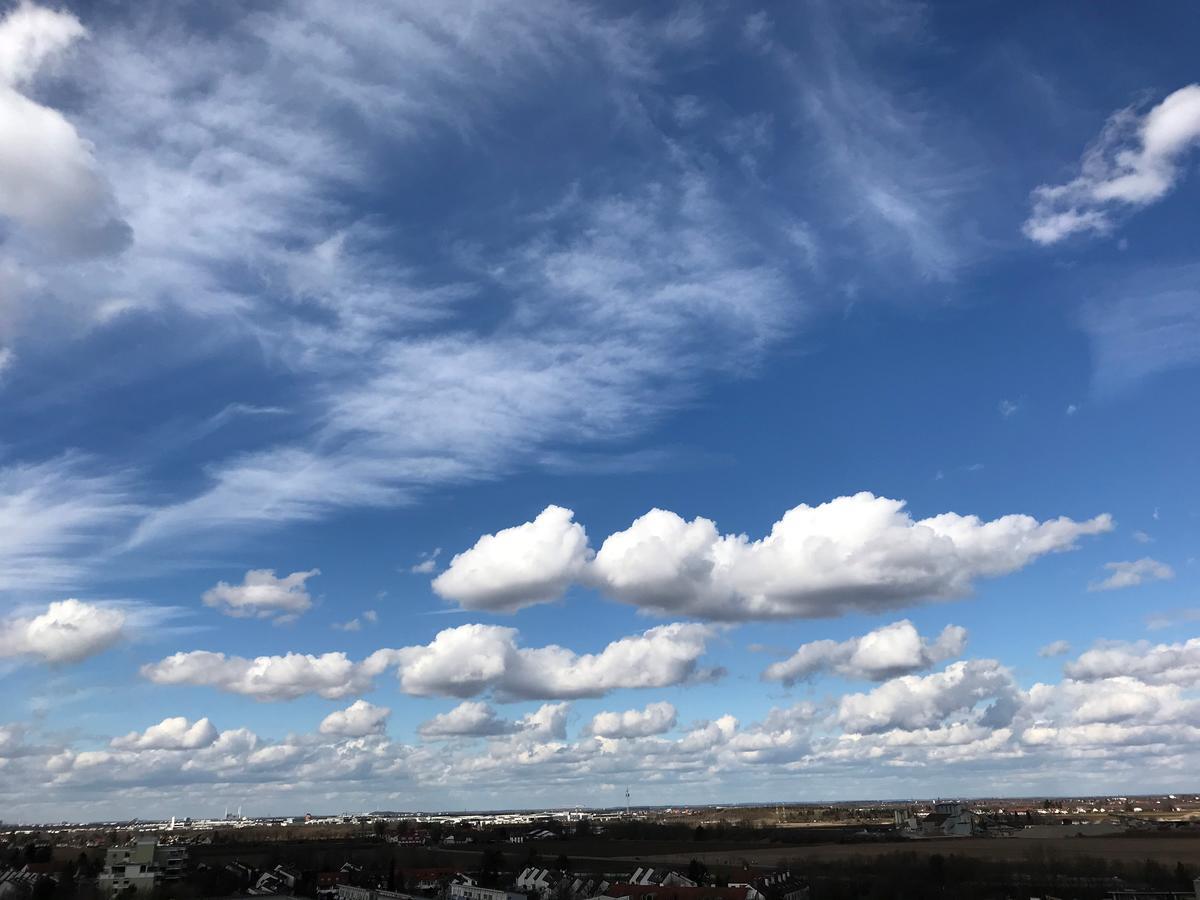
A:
[262,595]
[859,553]
[656,718]
[1135,162]
[357,720]
[947,727]
[471,659]
[855,553]
[1133,573]
[1055,648]
[175,733]
[67,632]
[913,702]
[548,721]
[471,718]
[330,675]
[896,649]
[519,566]
[459,662]
[49,180]
[1152,663]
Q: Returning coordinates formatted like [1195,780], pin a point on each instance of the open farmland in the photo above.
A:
[1168,849]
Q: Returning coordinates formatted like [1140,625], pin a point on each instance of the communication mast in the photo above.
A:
[626,802]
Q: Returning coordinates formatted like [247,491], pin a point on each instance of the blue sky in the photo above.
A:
[439,405]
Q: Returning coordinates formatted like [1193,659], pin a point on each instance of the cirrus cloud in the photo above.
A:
[1133,573]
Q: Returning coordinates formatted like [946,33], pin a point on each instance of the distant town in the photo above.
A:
[1116,847]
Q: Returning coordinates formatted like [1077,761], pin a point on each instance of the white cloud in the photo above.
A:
[1135,162]
[896,649]
[471,659]
[1133,573]
[914,702]
[1152,663]
[357,720]
[955,727]
[656,718]
[428,563]
[175,733]
[369,616]
[859,553]
[1008,408]
[471,718]
[459,662]
[262,595]
[1142,537]
[1055,648]
[852,553]
[548,721]
[330,675]
[67,632]
[49,180]
[519,566]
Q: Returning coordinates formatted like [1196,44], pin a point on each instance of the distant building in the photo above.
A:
[948,819]
[475,892]
[1193,894]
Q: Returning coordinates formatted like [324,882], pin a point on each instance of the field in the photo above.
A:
[1168,849]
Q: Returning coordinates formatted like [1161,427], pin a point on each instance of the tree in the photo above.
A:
[697,871]
[563,863]
[699,834]
[492,864]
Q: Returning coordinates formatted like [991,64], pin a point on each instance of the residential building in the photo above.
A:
[781,886]
[460,891]
[661,877]
[139,866]
[668,892]
[349,892]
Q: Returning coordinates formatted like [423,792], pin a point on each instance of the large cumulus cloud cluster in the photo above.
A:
[969,717]
[859,553]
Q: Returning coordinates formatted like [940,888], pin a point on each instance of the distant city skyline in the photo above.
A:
[426,404]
